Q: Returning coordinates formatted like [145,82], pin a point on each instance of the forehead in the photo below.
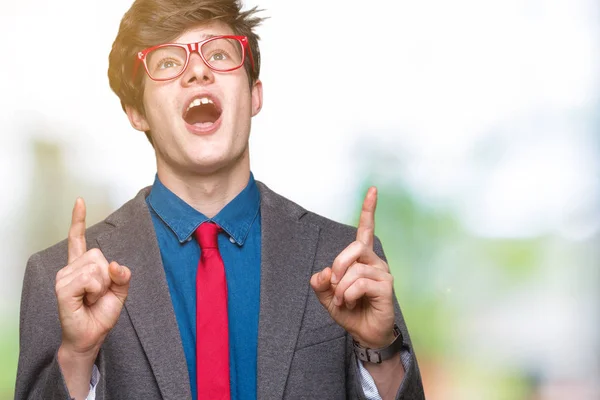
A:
[204,31]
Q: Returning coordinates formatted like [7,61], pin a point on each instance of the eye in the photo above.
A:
[167,63]
[218,56]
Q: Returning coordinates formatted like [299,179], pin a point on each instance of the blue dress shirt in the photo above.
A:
[175,222]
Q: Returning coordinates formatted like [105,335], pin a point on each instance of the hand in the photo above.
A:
[358,288]
[90,292]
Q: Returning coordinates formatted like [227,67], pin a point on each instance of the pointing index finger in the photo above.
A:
[76,239]
[366,223]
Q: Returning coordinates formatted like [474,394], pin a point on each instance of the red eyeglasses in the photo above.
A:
[168,61]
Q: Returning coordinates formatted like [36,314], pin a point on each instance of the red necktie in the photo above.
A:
[212,336]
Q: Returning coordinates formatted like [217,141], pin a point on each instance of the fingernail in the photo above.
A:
[337,301]
[333,278]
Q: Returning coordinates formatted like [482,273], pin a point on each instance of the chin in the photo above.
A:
[211,157]
[206,166]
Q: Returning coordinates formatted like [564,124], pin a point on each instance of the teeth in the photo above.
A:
[200,101]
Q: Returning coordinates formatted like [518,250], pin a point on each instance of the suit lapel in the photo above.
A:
[133,243]
[287,255]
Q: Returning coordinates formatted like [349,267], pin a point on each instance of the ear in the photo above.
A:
[257,97]
[136,119]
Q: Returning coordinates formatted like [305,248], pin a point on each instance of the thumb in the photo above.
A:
[321,284]
[120,276]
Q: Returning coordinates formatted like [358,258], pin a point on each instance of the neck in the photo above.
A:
[207,192]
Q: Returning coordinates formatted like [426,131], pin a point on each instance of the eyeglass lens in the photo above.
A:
[168,61]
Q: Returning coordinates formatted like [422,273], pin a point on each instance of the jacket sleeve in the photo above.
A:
[38,372]
[411,387]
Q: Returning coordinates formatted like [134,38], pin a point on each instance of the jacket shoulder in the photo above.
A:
[55,256]
[333,237]
[273,199]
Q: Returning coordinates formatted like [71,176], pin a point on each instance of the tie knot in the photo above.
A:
[207,234]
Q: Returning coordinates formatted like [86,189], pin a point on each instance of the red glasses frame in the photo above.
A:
[194,48]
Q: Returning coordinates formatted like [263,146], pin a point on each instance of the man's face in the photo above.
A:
[200,121]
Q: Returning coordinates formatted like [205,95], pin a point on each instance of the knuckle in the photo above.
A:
[340,290]
[361,284]
[57,282]
[343,257]
[60,296]
[60,274]
[337,262]
[61,292]
[92,268]
[95,253]
[359,269]
[85,278]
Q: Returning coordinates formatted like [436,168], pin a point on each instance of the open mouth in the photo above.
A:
[202,112]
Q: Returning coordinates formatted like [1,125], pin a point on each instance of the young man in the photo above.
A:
[208,285]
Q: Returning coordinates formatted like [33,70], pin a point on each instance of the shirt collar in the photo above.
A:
[235,218]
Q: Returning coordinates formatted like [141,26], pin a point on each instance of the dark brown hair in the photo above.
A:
[152,22]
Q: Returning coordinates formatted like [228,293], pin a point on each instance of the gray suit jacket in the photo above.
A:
[302,352]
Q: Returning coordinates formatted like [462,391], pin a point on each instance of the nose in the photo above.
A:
[197,71]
